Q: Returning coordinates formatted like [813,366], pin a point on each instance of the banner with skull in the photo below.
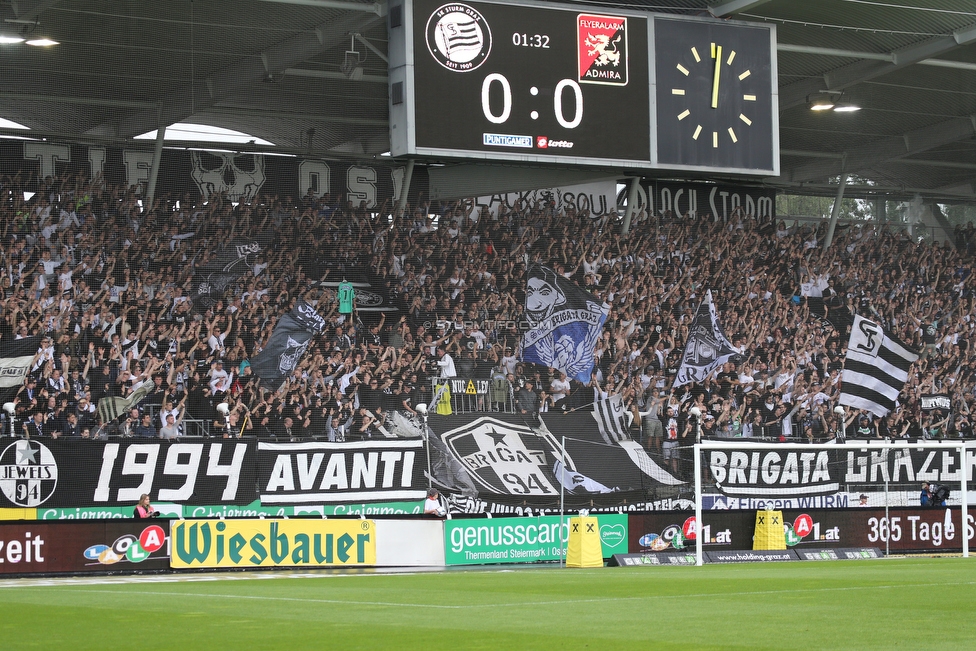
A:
[212,279]
[287,346]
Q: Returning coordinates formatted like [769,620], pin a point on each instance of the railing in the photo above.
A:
[469,395]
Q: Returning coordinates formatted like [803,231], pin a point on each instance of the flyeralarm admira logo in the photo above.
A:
[458,37]
[602,49]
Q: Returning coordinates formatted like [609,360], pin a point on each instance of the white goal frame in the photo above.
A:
[740,444]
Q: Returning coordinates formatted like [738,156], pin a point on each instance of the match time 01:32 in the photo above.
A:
[531,40]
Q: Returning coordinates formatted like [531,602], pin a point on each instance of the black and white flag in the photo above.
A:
[16,359]
[287,345]
[707,346]
[110,408]
[611,419]
[212,280]
[875,369]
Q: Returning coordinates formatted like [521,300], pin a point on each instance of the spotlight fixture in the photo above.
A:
[843,106]
[42,42]
[10,39]
[820,102]
[831,100]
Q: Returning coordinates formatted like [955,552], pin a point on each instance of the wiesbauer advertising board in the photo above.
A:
[273,543]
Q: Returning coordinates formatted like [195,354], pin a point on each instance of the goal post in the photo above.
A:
[818,468]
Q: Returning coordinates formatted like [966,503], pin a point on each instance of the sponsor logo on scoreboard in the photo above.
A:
[506,140]
[458,37]
[544,142]
[602,49]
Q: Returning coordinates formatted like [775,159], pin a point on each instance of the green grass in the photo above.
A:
[916,603]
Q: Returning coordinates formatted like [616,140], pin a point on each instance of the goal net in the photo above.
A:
[882,477]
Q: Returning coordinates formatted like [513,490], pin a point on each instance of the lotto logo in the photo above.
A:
[542,142]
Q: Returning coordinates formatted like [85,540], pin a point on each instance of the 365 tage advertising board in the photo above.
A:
[273,543]
[523,540]
[49,547]
[897,530]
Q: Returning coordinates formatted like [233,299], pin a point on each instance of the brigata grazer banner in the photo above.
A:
[767,473]
[273,543]
[76,474]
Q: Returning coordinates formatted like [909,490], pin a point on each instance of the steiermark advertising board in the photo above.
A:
[523,540]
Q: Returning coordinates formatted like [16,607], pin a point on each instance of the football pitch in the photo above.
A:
[910,603]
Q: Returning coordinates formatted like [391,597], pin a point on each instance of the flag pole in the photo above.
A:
[562,502]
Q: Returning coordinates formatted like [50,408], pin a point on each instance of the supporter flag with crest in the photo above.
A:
[707,347]
[564,323]
[875,369]
[287,346]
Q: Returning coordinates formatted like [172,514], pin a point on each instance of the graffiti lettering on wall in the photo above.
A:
[238,176]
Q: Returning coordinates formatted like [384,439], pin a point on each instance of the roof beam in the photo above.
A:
[796,93]
[377,8]
[331,74]
[203,93]
[30,9]
[872,154]
[729,7]
[875,56]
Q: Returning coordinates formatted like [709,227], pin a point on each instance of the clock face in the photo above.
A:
[715,95]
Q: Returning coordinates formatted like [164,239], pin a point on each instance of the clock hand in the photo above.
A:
[718,72]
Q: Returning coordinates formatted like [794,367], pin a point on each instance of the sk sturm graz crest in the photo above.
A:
[504,458]
[458,37]
[602,49]
[28,473]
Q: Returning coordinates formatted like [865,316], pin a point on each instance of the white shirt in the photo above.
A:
[559,389]
[447,366]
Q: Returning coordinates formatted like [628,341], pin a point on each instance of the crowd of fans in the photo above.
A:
[109,284]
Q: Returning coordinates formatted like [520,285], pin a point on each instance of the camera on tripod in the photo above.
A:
[939,494]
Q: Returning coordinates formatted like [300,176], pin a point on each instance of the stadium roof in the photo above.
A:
[272,69]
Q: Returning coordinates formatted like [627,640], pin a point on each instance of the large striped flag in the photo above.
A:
[110,408]
[876,368]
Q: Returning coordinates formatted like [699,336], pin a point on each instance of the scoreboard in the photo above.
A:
[534,82]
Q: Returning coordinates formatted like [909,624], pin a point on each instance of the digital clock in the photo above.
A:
[530,82]
[531,40]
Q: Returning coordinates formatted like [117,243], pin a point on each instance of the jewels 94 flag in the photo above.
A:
[707,346]
[875,369]
[565,322]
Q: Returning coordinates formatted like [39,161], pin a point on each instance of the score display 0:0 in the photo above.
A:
[531,40]
[557,105]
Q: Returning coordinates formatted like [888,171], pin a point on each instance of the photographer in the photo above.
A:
[933,494]
[144,509]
